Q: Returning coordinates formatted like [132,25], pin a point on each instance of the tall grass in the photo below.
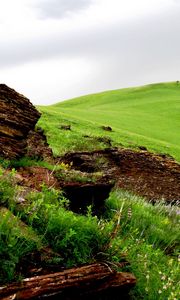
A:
[76,238]
[15,242]
[145,236]
[149,237]
[7,189]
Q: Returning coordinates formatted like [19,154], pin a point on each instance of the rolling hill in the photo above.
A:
[140,116]
[113,207]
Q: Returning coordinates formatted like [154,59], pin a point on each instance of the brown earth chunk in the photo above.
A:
[17,117]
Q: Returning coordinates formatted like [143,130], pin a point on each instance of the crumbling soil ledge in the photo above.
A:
[17,117]
[154,176]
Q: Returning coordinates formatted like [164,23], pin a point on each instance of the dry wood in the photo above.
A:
[71,283]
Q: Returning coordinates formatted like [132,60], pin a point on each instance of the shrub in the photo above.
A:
[75,237]
[7,187]
[15,243]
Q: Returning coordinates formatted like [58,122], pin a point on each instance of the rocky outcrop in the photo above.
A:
[17,117]
[150,175]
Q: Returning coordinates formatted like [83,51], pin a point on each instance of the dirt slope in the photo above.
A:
[153,176]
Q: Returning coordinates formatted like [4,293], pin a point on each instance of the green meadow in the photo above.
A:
[131,229]
[140,116]
[144,237]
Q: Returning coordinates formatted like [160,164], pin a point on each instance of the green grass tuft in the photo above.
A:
[149,237]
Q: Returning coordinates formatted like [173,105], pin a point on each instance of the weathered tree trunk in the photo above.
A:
[75,283]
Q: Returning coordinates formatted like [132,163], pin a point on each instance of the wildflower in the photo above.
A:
[169,283]
[163,277]
[170,262]
[129,213]
[147,276]
[160,292]
[178,212]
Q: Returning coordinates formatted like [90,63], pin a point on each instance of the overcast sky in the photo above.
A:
[51,50]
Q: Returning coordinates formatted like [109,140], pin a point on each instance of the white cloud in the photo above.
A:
[48,81]
[110,44]
[59,8]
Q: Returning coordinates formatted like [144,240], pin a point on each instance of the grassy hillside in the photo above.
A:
[147,115]
[143,236]
[38,230]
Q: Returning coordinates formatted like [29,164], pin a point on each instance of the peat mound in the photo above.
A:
[17,117]
[37,145]
[91,176]
[153,176]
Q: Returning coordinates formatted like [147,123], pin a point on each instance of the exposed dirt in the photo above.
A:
[17,117]
[83,195]
[153,176]
[37,146]
[150,175]
[35,177]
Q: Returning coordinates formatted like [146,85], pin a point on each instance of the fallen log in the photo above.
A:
[89,280]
